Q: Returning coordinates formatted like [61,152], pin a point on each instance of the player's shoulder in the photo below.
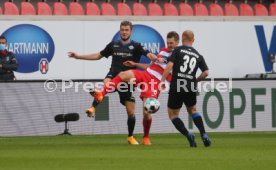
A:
[165,49]
[191,49]
[135,43]
[179,48]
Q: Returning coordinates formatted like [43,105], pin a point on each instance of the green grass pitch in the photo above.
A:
[229,151]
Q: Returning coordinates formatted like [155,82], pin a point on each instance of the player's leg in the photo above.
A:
[128,101]
[131,120]
[175,103]
[151,91]
[106,80]
[147,120]
[190,102]
[91,111]
[113,84]
[108,84]
[197,119]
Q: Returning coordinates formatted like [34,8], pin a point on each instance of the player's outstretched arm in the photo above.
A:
[166,72]
[153,58]
[95,56]
[137,65]
[202,76]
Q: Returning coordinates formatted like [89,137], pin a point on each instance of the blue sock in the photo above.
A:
[95,103]
[198,122]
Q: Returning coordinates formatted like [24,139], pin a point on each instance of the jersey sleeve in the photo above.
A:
[107,51]
[202,65]
[141,50]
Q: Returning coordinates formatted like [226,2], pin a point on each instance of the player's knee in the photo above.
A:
[172,113]
[130,108]
[147,116]
[126,75]
[106,80]
[130,114]
[130,111]
[123,75]
[191,110]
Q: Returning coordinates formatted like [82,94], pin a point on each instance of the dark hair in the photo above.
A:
[126,23]
[3,38]
[173,34]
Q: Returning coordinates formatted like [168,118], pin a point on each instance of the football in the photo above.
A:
[151,105]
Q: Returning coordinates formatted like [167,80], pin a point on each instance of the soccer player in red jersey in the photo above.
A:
[150,77]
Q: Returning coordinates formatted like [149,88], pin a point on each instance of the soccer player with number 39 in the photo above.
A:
[184,61]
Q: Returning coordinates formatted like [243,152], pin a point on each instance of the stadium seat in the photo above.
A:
[272,9]
[123,9]
[200,9]
[27,8]
[231,10]
[107,9]
[75,9]
[246,10]
[185,9]
[10,9]
[139,9]
[260,10]
[59,9]
[92,9]
[170,9]
[215,9]
[155,9]
[43,9]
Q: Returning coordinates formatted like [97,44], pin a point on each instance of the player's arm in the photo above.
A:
[142,66]
[169,67]
[150,55]
[154,58]
[137,65]
[106,52]
[202,76]
[95,56]
[204,68]
[167,71]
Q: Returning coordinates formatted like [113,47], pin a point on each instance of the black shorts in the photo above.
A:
[176,100]
[112,73]
[126,95]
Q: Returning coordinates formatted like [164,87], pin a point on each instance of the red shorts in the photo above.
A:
[147,83]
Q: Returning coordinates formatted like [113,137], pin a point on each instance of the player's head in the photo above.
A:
[188,38]
[172,40]
[3,43]
[125,30]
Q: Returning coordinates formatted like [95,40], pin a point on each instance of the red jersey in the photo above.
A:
[156,69]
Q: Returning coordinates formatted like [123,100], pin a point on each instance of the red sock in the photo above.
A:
[147,125]
[111,85]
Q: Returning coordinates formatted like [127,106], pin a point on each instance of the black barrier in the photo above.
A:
[66,118]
